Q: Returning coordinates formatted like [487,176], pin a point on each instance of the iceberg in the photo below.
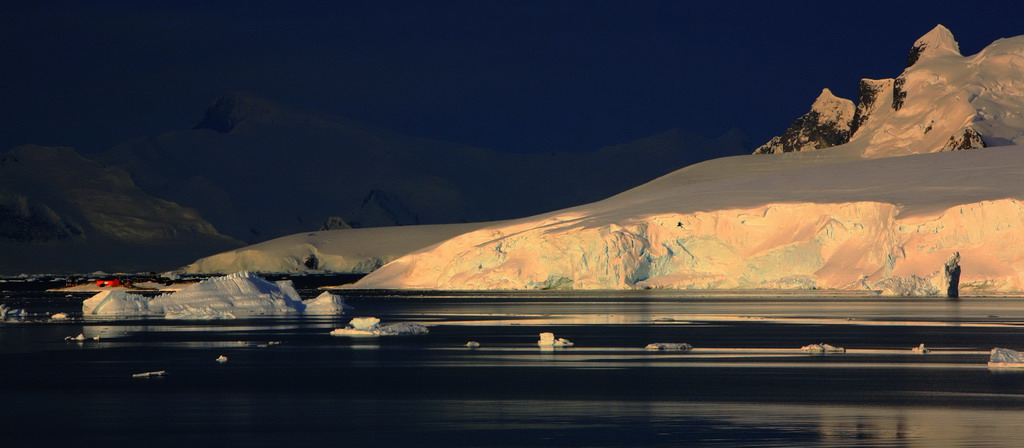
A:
[1004,358]
[680,346]
[222,359]
[548,340]
[822,348]
[326,304]
[59,316]
[920,349]
[473,344]
[370,326]
[216,298]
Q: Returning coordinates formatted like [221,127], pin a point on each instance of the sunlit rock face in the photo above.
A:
[827,124]
[943,101]
[853,217]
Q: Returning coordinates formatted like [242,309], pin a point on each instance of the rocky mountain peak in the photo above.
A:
[827,124]
[937,42]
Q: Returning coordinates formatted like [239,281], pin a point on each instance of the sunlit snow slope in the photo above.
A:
[347,250]
[850,217]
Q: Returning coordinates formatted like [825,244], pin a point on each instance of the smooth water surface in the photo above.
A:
[746,383]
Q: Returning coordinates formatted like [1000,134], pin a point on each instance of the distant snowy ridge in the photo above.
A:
[357,251]
[943,101]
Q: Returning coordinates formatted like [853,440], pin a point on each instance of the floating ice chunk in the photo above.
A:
[273,342]
[548,340]
[222,359]
[8,312]
[326,304]
[364,323]
[822,348]
[370,326]
[150,374]
[80,337]
[1004,358]
[920,349]
[681,346]
[473,344]
[59,316]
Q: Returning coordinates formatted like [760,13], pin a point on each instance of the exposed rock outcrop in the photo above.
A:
[970,139]
[951,275]
[827,124]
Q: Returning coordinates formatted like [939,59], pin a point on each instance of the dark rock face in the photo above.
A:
[951,276]
[335,223]
[970,139]
[915,53]
[312,262]
[868,94]
[898,94]
[808,131]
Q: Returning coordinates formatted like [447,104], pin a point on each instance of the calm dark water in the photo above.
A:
[743,385]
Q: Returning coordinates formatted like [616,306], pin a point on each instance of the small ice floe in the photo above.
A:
[8,312]
[680,346]
[920,349]
[548,340]
[222,359]
[822,348]
[473,344]
[80,337]
[150,374]
[370,326]
[59,316]
[273,342]
[1004,358]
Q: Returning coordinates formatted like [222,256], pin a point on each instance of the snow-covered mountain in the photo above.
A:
[943,101]
[258,170]
[62,212]
[852,217]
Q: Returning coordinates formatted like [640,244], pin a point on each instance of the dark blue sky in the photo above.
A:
[515,75]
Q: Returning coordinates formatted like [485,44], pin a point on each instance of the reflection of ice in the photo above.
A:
[822,348]
[681,346]
[548,340]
